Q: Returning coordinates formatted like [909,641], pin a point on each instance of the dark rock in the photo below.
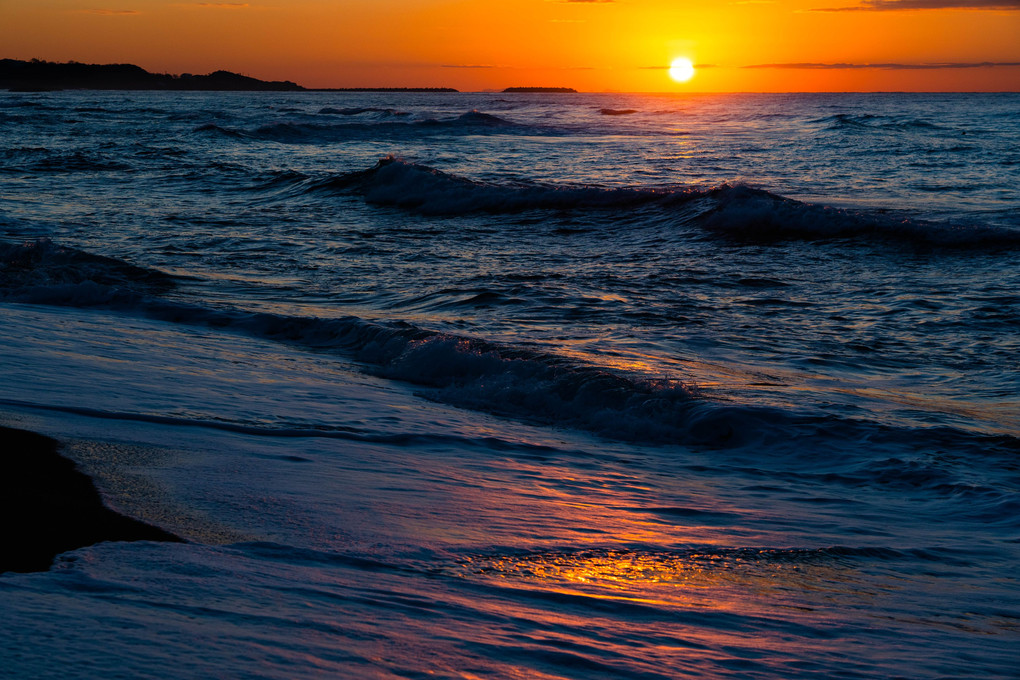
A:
[50,507]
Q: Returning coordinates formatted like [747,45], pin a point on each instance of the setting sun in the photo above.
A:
[681,70]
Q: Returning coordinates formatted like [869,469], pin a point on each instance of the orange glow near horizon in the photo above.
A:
[604,45]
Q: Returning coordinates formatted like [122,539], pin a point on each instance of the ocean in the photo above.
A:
[487,385]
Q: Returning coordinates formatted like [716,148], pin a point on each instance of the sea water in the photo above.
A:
[520,385]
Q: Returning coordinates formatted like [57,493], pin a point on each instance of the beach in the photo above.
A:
[556,385]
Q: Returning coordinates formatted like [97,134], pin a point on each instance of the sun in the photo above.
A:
[681,70]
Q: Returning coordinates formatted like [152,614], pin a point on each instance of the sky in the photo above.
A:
[590,45]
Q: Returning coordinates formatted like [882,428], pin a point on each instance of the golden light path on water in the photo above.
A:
[723,578]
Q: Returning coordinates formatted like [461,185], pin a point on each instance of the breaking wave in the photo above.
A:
[511,381]
[467,372]
[737,211]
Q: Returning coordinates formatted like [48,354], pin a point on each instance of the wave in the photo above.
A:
[41,160]
[357,111]
[42,272]
[219,129]
[617,112]
[79,162]
[542,388]
[467,372]
[734,211]
[28,104]
[300,431]
[510,381]
[471,122]
[866,121]
[429,191]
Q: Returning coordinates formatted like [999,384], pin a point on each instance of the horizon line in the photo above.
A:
[439,91]
[810,66]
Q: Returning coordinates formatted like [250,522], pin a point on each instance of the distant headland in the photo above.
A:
[384,89]
[540,89]
[39,75]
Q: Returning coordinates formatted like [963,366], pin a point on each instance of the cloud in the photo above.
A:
[466,66]
[110,12]
[888,67]
[903,5]
[223,5]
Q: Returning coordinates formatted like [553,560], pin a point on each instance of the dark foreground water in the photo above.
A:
[496,386]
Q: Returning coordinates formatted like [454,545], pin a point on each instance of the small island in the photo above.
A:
[541,89]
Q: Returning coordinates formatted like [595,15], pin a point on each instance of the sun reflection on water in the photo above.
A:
[716,577]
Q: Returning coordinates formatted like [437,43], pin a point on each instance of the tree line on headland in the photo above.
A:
[37,75]
[47,75]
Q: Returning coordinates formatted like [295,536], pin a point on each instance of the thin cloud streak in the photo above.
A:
[888,67]
[666,68]
[906,5]
[110,12]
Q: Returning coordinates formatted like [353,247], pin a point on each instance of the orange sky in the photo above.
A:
[591,45]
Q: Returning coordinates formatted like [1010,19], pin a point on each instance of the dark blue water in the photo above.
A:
[488,385]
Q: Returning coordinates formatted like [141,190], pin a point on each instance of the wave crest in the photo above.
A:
[388,123]
[734,211]
[513,381]
[43,272]
[866,121]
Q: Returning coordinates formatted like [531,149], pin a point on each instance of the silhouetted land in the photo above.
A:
[42,76]
[36,75]
[384,89]
[540,89]
[49,507]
